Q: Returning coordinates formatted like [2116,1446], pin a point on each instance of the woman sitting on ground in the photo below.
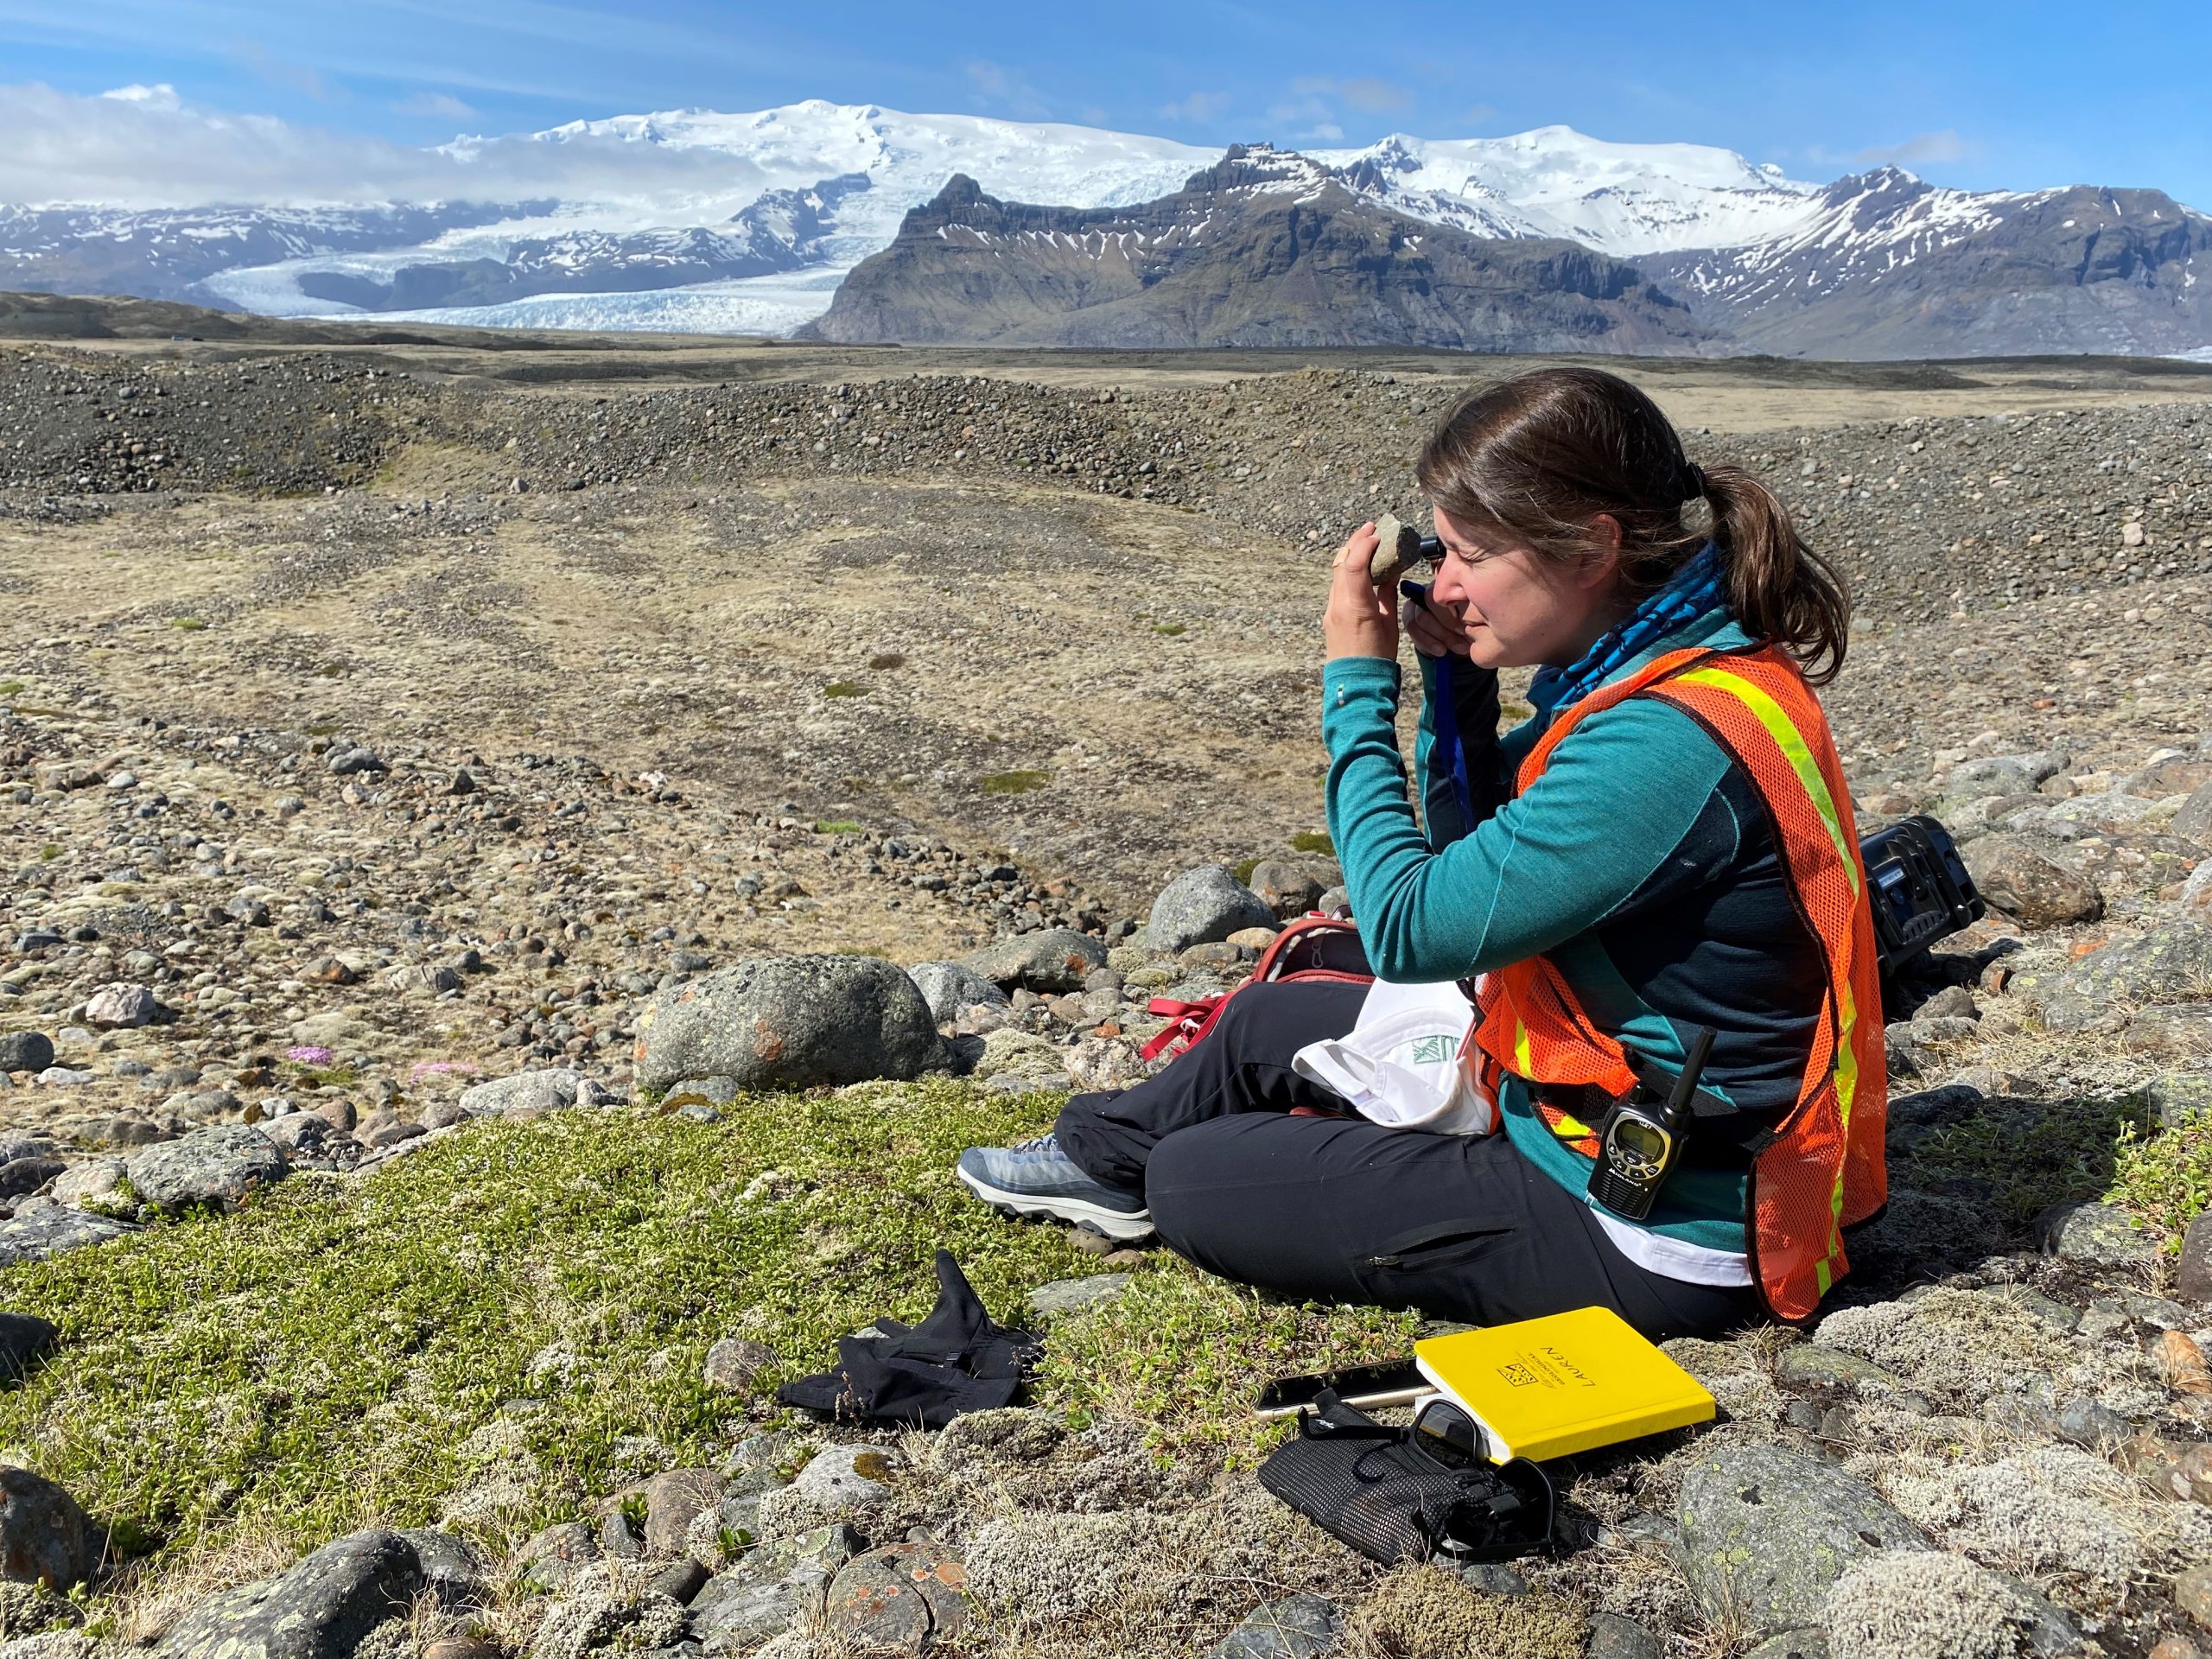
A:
[1664,848]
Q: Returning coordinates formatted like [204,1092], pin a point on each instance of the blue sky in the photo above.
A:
[1978,95]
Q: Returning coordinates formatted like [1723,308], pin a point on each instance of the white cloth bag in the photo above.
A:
[1399,1065]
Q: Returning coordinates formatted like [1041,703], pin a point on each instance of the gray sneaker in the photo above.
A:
[1036,1179]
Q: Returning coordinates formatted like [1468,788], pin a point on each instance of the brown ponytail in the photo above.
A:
[1540,456]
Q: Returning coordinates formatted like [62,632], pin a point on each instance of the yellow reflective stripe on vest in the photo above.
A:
[1787,738]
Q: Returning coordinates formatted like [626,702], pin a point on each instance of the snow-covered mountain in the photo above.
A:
[1888,265]
[704,221]
[1619,198]
[697,218]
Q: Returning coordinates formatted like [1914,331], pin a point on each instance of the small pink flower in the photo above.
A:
[308,1054]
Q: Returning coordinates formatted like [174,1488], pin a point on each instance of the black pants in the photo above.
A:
[1340,1210]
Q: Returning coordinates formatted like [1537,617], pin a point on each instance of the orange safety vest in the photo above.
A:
[1823,1171]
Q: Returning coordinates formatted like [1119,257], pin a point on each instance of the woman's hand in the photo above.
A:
[1434,631]
[1361,621]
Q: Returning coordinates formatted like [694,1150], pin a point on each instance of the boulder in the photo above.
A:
[454,1569]
[1203,905]
[90,1184]
[949,987]
[548,1091]
[549,1561]
[790,1023]
[37,1234]
[219,1165]
[673,1501]
[844,1480]
[25,1339]
[25,1050]
[2095,1235]
[2194,820]
[734,1363]
[120,1006]
[2018,879]
[902,1596]
[2193,1272]
[771,1588]
[1287,888]
[1766,1531]
[2004,774]
[1296,1627]
[1052,959]
[320,1609]
[44,1537]
[1064,1297]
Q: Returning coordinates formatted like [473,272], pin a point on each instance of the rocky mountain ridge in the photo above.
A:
[702,221]
[1265,248]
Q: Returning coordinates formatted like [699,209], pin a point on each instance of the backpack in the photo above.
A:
[1315,946]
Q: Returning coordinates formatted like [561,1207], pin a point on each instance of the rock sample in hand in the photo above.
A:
[1397,550]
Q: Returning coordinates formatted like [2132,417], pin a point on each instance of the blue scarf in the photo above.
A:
[1689,593]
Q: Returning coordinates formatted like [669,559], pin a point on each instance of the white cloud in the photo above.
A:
[443,105]
[1377,97]
[161,96]
[1944,146]
[145,146]
[1199,106]
[1007,91]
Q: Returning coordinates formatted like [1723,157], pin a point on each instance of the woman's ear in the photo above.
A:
[1603,563]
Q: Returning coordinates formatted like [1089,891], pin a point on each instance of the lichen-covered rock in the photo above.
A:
[1962,1345]
[323,1608]
[1022,1055]
[36,1234]
[790,1023]
[547,1090]
[44,1536]
[595,1617]
[1296,1627]
[1052,959]
[1053,1568]
[771,1589]
[1924,1603]
[2018,879]
[219,1165]
[2096,1235]
[2049,1509]
[903,1596]
[949,987]
[1203,905]
[1102,1062]
[1766,1531]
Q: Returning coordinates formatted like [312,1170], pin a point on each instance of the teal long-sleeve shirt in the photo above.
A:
[1533,871]
[1640,862]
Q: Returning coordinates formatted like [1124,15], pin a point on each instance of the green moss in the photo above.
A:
[190,624]
[48,853]
[844,689]
[1014,783]
[1244,868]
[1313,841]
[344,1351]
[2015,1157]
[12,689]
[2167,1178]
[836,827]
[1171,629]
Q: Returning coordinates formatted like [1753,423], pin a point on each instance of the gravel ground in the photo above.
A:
[391,732]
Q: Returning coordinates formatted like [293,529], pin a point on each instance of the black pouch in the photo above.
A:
[1381,1491]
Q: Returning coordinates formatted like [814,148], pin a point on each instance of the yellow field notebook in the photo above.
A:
[1566,1383]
